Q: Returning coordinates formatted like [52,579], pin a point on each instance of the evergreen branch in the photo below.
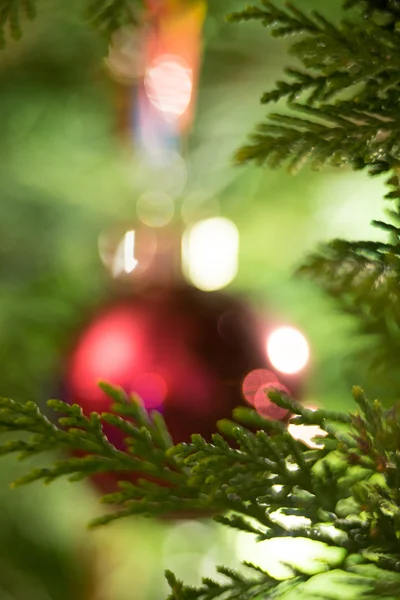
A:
[238,587]
[385,12]
[339,138]
[350,81]
[362,277]
[283,22]
[269,484]
[107,16]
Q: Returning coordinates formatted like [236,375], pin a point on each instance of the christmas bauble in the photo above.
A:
[192,355]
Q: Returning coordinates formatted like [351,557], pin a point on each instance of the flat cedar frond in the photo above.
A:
[343,495]
[385,12]
[237,587]
[362,277]
[350,82]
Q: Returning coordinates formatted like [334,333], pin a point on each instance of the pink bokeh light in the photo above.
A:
[151,389]
[255,389]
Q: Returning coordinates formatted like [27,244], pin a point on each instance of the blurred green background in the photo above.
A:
[65,177]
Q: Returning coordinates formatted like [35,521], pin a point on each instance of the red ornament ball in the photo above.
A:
[192,355]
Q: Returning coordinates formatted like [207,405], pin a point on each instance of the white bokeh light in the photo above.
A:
[124,260]
[288,350]
[168,84]
[210,253]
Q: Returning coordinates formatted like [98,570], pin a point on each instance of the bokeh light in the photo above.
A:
[255,389]
[130,261]
[256,380]
[288,350]
[155,209]
[105,353]
[151,389]
[265,407]
[127,252]
[168,84]
[210,253]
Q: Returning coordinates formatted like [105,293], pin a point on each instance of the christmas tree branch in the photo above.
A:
[349,88]
[343,111]
[344,494]
[237,587]
[362,277]
[108,16]
[105,16]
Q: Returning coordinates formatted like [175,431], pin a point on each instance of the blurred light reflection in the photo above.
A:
[151,389]
[255,389]
[258,379]
[127,252]
[168,84]
[105,353]
[210,253]
[288,350]
[127,249]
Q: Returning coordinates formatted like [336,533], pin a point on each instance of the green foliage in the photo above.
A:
[363,278]
[343,111]
[348,90]
[384,12]
[343,494]
[105,16]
